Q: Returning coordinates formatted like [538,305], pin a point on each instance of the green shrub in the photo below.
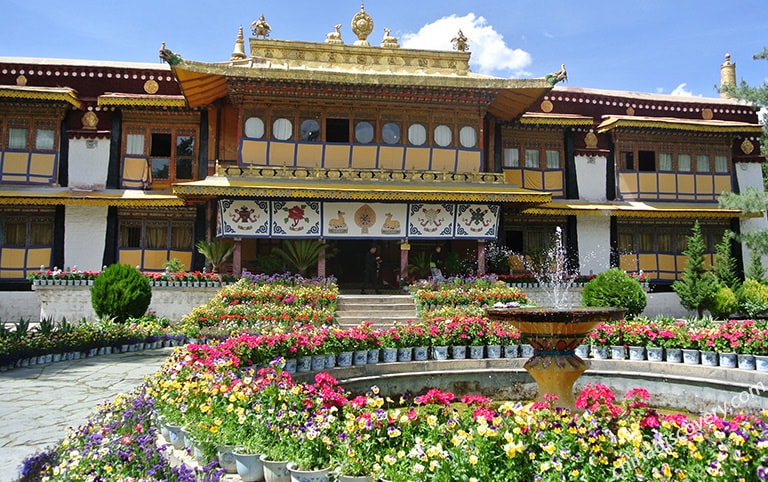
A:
[724,303]
[753,298]
[121,292]
[617,289]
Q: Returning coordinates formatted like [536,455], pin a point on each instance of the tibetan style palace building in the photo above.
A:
[355,144]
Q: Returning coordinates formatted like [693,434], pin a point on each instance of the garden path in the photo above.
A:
[38,403]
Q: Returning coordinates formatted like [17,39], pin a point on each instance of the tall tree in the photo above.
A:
[724,267]
[697,285]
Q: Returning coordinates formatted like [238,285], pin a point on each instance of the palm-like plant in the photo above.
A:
[215,252]
[301,254]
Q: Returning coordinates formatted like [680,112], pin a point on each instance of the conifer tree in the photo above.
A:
[724,268]
[697,286]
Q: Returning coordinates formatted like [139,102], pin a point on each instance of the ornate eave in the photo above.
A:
[138,100]
[49,94]
[108,197]
[537,119]
[636,210]
[355,184]
[705,126]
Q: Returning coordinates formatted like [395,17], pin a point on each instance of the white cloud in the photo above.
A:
[680,90]
[490,54]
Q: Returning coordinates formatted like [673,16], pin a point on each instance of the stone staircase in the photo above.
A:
[382,310]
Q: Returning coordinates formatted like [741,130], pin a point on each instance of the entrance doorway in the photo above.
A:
[348,262]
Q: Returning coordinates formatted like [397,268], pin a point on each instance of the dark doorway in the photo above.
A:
[348,261]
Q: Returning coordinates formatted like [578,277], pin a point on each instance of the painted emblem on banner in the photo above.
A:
[338,225]
[430,219]
[365,217]
[294,216]
[391,226]
[478,221]
[244,215]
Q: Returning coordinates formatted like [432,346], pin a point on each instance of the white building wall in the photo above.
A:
[88,163]
[750,175]
[590,175]
[594,234]
[85,231]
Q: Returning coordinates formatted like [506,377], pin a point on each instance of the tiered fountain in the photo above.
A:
[555,331]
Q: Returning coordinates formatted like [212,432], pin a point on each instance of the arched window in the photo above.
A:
[443,136]
[417,134]
[282,129]
[254,128]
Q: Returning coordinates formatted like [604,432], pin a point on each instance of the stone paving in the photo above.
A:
[38,403]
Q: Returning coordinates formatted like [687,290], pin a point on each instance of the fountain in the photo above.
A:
[555,331]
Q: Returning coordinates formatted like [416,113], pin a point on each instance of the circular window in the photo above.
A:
[364,132]
[254,128]
[390,133]
[443,136]
[468,136]
[310,130]
[282,129]
[417,134]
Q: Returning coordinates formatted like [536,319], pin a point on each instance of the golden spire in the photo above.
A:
[727,76]
[239,52]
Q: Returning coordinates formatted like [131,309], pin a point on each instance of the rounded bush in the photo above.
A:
[724,303]
[617,289]
[753,298]
[120,292]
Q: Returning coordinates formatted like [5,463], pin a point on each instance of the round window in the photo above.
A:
[254,128]
[468,136]
[364,132]
[390,133]
[310,130]
[417,134]
[443,136]
[282,129]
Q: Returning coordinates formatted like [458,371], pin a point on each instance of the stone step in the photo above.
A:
[381,310]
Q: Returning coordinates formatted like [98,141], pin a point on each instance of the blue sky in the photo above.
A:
[656,46]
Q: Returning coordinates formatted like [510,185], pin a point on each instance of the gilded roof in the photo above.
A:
[51,196]
[635,209]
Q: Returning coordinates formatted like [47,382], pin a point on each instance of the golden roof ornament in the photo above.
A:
[460,42]
[559,76]
[362,26]
[335,36]
[260,27]
[389,42]
[239,52]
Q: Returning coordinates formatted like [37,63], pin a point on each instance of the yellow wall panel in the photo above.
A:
[445,160]
[648,262]
[14,178]
[553,181]
[154,259]
[183,256]
[11,258]
[514,177]
[667,276]
[648,182]
[43,165]
[667,262]
[131,257]
[37,257]
[722,183]
[469,161]
[685,183]
[627,183]
[281,153]
[309,155]
[628,262]
[704,184]
[682,262]
[667,183]
[15,162]
[337,157]
[135,169]
[390,157]
[417,158]
[364,157]
[533,180]
[254,152]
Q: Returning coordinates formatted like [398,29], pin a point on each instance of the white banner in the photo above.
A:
[243,218]
[477,221]
[431,220]
[296,218]
[364,220]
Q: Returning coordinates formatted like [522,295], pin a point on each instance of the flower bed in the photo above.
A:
[463,296]
[74,276]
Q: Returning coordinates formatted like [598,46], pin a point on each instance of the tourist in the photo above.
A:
[371,270]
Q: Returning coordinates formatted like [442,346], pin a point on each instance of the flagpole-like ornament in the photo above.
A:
[362,26]
[460,42]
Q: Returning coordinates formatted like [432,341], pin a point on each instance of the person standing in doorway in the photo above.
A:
[436,263]
[371,270]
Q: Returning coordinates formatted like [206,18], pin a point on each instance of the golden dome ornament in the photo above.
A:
[362,26]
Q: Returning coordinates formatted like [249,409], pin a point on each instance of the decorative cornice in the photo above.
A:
[66,196]
[133,100]
[54,94]
[636,210]
[707,126]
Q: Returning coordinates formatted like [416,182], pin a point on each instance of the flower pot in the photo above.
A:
[389,355]
[582,351]
[276,470]
[344,359]
[318,363]
[360,357]
[420,353]
[290,365]
[249,467]
[304,364]
[330,360]
[405,354]
[440,352]
[746,361]
[655,353]
[691,357]
[618,352]
[709,358]
[458,352]
[226,457]
[674,355]
[493,351]
[637,353]
[355,478]
[600,352]
[526,350]
[511,351]
[373,356]
[476,352]
[320,475]
[761,363]
[727,360]
[175,436]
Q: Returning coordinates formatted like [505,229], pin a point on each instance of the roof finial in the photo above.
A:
[260,27]
[362,26]
[727,77]
[460,42]
[239,52]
